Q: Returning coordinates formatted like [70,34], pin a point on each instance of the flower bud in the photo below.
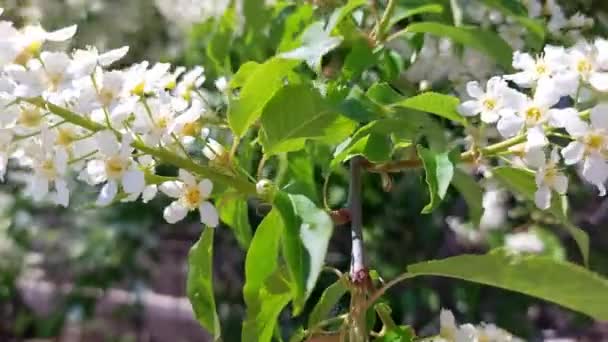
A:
[266,189]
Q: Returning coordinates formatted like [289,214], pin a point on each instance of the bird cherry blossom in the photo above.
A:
[489,103]
[114,167]
[190,195]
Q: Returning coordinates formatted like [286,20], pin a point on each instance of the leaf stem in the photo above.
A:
[468,156]
[383,25]
[162,154]
[385,288]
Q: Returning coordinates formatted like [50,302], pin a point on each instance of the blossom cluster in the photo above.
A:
[155,106]
[440,59]
[450,331]
[557,93]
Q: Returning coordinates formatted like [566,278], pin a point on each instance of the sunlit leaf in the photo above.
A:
[306,237]
[200,283]
[484,41]
[434,103]
[567,284]
[259,87]
[439,171]
[330,297]
[298,113]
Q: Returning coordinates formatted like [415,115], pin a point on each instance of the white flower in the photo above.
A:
[466,333]
[104,95]
[187,125]
[154,118]
[221,84]
[546,65]
[529,113]
[191,81]
[488,103]
[447,325]
[140,80]
[115,167]
[50,167]
[85,61]
[189,195]
[524,242]
[590,145]
[20,46]
[214,150]
[548,176]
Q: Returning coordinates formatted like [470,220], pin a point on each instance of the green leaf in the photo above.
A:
[256,14]
[484,41]
[221,40]
[374,147]
[262,83]
[294,24]
[567,284]
[316,43]
[383,94]
[234,213]
[402,333]
[200,283]
[301,171]
[307,233]
[360,58]
[243,74]
[522,182]
[373,140]
[471,192]
[266,289]
[327,302]
[343,12]
[404,13]
[438,104]
[439,171]
[297,113]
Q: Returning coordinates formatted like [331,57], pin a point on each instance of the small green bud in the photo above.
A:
[266,190]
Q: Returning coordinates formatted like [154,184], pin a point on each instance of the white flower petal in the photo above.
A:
[149,193]
[62,195]
[573,153]
[186,177]
[559,117]
[535,157]
[595,170]
[599,116]
[107,194]
[509,125]
[489,116]
[542,197]
[209,215]
[107,143]
[560,184]
[112,56]
[172,188]
[599,81]
[133,181]
[536,138]
[175,212]
[62,35]
[474,90]
[469,108]
[205,187]
[39,187]
[96,171]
